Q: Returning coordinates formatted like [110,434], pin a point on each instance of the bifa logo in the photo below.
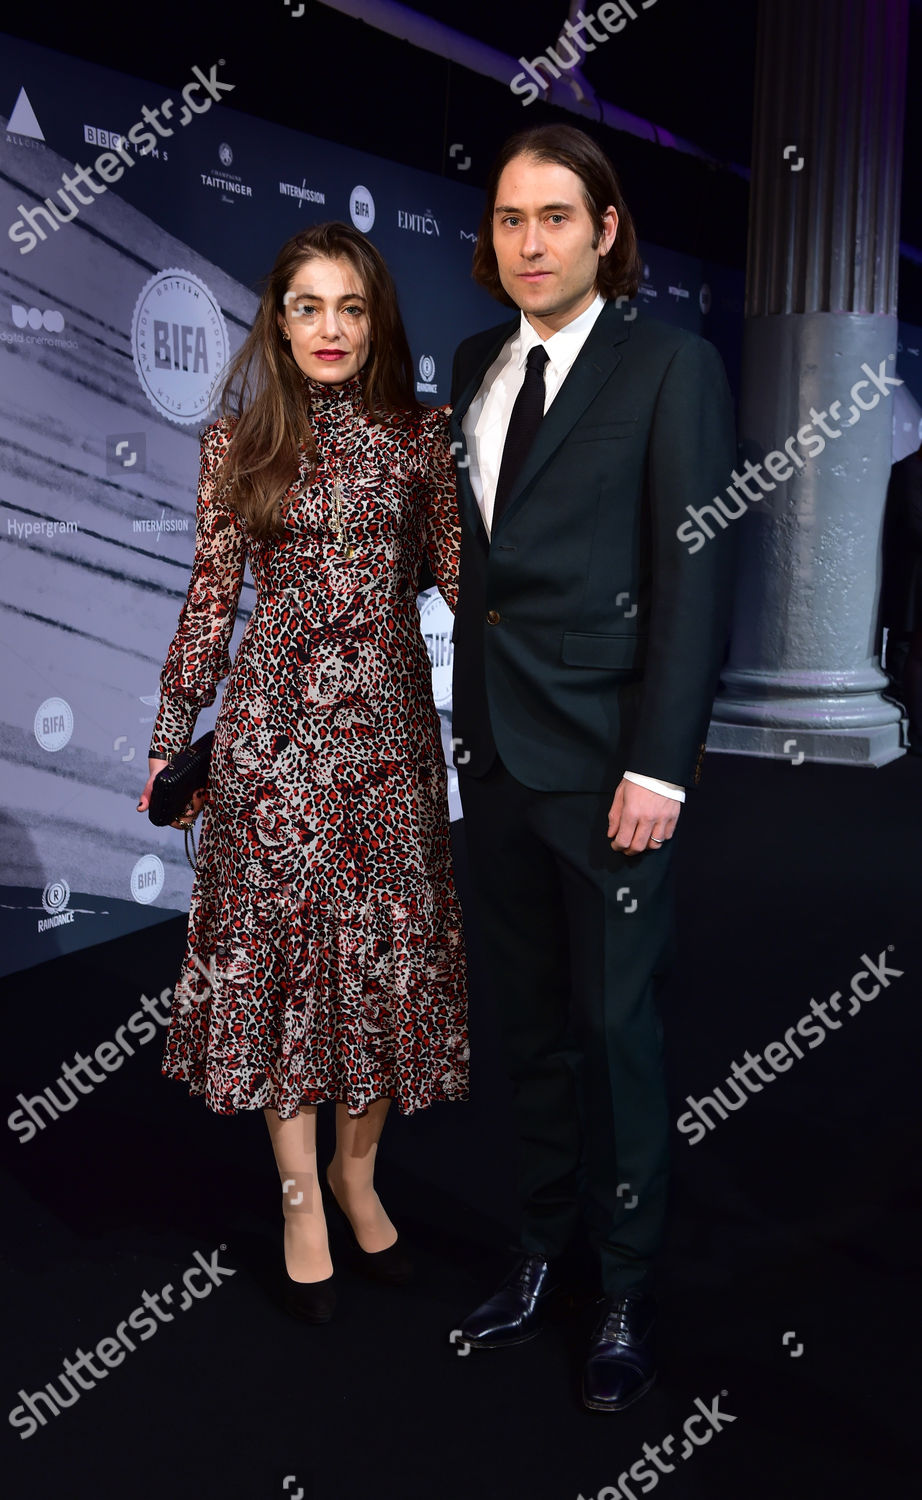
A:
[362,208]
[53,724]
[436,622]
[147,879]
[180,344]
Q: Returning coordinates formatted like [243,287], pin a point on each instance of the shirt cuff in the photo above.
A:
[665,788]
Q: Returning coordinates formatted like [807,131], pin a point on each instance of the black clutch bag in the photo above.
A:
[186,773]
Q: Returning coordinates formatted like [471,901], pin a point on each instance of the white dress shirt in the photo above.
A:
[485,422]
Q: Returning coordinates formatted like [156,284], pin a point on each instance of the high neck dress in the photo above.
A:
[325,957]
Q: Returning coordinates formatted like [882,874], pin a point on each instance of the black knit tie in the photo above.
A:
[523,427]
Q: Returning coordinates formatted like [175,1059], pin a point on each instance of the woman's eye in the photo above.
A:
[356,312]
[303,309]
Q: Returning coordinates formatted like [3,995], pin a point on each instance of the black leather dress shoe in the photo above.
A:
[621,1366]
[516,1312]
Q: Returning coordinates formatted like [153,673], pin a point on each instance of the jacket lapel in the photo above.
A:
[598,358]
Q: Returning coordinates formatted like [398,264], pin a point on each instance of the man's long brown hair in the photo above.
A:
[564,145]
[265,391]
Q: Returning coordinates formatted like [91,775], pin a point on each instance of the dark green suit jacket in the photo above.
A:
[588,637]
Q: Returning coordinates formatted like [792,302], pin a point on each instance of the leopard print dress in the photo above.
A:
[325,957]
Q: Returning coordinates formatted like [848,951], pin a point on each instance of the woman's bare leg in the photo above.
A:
[351,1175]
[307,1254]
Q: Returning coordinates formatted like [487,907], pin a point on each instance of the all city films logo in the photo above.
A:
[180,344]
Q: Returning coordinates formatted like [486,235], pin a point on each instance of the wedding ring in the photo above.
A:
[656,841]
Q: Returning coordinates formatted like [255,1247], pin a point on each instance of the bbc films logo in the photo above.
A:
[436,622]
[55,897]
[53,724]
[180,344]
[426,382]
[362,208]
[115,140]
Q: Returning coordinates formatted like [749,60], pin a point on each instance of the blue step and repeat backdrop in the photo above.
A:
[136,222]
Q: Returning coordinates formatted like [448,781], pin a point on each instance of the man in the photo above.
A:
[588,642]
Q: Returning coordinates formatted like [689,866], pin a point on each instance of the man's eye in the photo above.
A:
[511,220]
[558,218]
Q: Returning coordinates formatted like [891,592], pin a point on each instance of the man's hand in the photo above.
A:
[640,819]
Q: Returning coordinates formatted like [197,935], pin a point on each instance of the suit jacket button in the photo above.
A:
[493,616]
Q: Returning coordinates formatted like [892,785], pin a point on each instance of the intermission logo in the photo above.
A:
[37,325]
[180,344]
[304,194]
[425,223]
[362,208]
[53,724]
[227,183]
[427,375]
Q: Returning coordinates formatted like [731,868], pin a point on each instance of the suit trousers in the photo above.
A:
[576,938]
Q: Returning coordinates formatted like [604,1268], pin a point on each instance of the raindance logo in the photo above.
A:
[180,344]
[55,897]
[362,208]
[436,622]
[427,371]
[53,724]
[147,879]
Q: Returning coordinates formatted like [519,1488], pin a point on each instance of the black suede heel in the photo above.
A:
[391,1267]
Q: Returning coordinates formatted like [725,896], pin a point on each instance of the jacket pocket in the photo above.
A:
[616,652]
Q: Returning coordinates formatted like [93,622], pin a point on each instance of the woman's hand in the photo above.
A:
[193,808]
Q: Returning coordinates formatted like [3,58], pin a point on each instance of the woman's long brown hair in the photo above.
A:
[266,393]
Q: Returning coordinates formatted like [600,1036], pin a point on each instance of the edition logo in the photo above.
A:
[180,344]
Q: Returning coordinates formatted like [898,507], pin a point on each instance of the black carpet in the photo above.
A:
[788,1288]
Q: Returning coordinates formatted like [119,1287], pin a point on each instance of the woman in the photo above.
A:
[325,958]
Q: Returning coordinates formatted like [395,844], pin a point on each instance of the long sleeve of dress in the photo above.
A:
[198,657]
[443,528]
